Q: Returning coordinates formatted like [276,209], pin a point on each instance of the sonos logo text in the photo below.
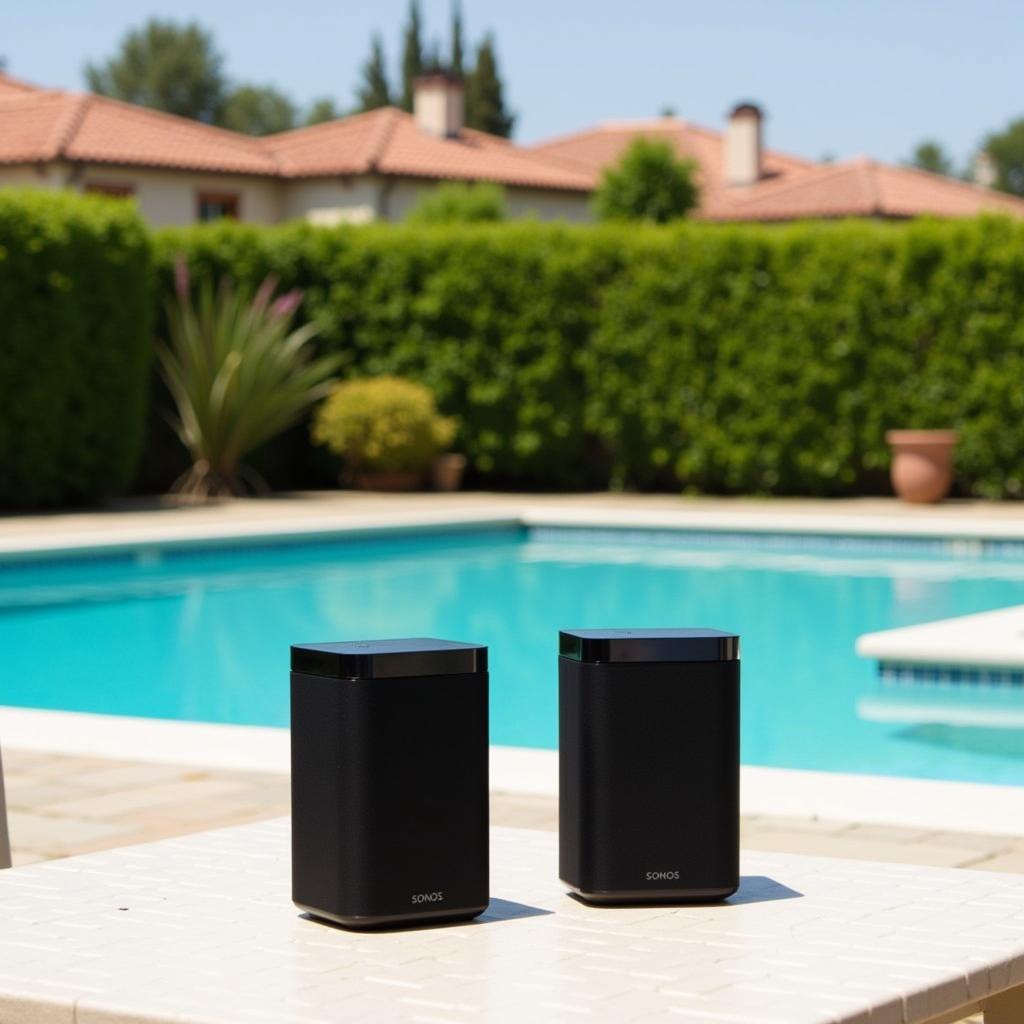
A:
[428,897]
[662,876]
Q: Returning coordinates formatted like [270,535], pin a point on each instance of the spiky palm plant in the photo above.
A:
[239,374]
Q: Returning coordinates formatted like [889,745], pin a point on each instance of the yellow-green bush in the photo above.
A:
[729,359]
[382,425]
[76,308]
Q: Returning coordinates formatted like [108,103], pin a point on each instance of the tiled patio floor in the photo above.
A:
[61,806]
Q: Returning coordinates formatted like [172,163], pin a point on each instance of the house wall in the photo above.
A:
[169,197]
[370,197]
[164,197]
[546,205]
[44,176]
[543,204]
[330,201]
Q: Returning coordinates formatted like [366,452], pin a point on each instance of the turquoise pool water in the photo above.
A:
[204,634]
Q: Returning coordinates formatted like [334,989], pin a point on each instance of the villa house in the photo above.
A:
[741,180]
[366,167]
[377,165]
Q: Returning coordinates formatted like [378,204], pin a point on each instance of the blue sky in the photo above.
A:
[842,77]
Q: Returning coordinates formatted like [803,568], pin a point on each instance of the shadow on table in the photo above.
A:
[508,910]
[497,910]
[760,889]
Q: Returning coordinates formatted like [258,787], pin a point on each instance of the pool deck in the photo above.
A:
[60,806]
[321,512]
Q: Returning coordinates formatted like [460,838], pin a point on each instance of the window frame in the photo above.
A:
[233,200]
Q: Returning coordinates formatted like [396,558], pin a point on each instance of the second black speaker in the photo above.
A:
[649,764]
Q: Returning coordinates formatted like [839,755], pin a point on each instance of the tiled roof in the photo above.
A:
[860,188]
[791,188]
[9,85]
[388,141]
[38,125]
[590,151]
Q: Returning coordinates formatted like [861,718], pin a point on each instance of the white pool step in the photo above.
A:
[993,640]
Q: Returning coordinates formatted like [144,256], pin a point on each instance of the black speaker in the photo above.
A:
[389,781]
[649,764]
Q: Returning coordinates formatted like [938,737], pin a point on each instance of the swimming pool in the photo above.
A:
[203,634]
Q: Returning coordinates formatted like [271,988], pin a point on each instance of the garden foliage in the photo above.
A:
[383,425]
[76,315]
[746,359]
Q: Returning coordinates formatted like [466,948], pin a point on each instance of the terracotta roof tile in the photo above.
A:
[32,125]
[120,133]
[9,86]
[792,188]
[388,141]
[592,150]
[860,188]
[39,125]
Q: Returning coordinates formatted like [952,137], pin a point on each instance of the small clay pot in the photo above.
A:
[922,463]
[448,470]
[395,481]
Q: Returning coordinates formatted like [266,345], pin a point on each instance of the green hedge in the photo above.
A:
[76,301]
[494,320]
[727,359]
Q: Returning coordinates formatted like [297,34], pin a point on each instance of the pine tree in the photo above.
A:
[374,91]
[458,49]
[412,53]
[485,101]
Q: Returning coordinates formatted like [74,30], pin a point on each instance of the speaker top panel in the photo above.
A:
[389,659]
[601,646]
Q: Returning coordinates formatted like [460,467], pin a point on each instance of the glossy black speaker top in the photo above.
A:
[610,646]
[389,659]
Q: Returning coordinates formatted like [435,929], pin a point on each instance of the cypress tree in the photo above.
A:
[374,91]
[485,99]
[412,53]
[458,49]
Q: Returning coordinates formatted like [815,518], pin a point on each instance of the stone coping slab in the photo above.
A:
[201,929]
[991,639]
[326,514]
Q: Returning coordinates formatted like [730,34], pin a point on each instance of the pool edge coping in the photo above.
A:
[941,805]
[115,539]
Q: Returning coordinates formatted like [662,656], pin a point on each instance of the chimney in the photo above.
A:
[983,170]
[743,145]
[437,104]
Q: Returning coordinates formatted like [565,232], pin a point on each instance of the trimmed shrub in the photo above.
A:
[76,306]
[742,359]
[382,425]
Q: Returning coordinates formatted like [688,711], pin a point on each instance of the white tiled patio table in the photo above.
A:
[201,929]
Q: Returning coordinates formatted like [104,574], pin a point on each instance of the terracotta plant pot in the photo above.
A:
[448,470]
[396,481]
[922,463]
